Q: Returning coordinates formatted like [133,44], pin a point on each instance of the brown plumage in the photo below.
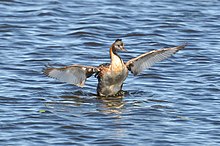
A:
[110,75]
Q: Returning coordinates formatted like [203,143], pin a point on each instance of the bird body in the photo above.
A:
[110,75]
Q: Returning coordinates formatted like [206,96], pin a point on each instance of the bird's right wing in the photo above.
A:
[75,74]
[144,61]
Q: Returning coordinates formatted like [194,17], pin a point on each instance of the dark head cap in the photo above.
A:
[118,40]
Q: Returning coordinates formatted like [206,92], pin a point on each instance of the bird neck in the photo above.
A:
[116,61]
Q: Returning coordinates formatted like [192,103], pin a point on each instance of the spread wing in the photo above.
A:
[144,61]
[74,74]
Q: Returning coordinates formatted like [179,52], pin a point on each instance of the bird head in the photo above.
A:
[118,45]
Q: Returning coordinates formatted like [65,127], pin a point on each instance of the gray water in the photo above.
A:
[176,102]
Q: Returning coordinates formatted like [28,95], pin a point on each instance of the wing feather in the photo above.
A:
[144,61]
[74,74]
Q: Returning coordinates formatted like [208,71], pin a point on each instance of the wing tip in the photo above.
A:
[46,70]
[182,46]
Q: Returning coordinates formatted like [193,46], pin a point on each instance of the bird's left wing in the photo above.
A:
[75,74]
[144,61]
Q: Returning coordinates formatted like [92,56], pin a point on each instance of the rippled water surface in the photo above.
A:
[176,102]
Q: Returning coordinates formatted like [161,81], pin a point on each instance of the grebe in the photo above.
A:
[110,75]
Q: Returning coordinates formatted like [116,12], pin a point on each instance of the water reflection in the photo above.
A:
[84,101]
[112,104]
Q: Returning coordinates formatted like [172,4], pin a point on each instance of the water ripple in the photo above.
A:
[176,102]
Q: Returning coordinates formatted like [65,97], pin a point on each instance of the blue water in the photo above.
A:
[176,102]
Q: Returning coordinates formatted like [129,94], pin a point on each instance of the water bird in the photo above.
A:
[110,75]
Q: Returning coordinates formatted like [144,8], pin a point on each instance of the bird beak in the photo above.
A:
[123,49]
